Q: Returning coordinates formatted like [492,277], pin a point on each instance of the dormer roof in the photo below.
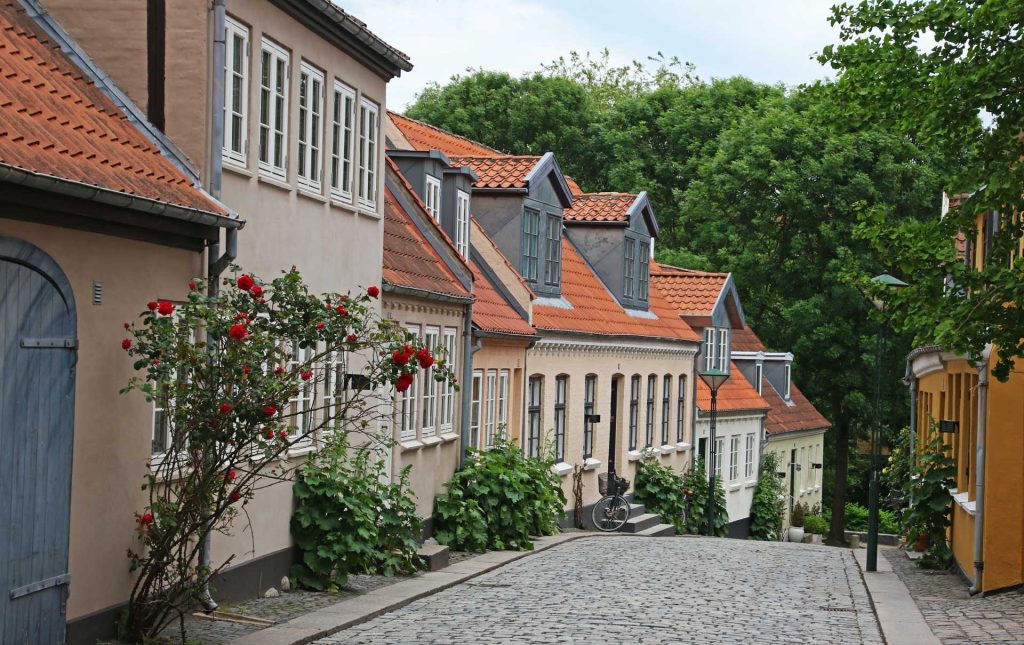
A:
[517,173]
[611,208]
[735,395]
[704,298]
[423,136]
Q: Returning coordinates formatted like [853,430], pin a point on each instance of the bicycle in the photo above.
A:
[612,510]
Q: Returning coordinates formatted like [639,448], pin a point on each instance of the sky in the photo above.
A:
[767,40]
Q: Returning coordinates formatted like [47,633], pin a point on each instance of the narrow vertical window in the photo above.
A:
[462,223]
[709,348]
[409,403]
[489,407]
[503,382]
[589,393]
[431,341]
[681,409]
[723,350]
[560,387]
[734,457]
[634,409]
[300,404]
[432,197]
[274,71]
[645,270]
[758,376]
[800,475]
[553,251]
[342,122]
[474,409]
[789,373]
[719,448]
[531,244]
[666,402]
[447,389]
[161,422]
[748,463]
[533,414]
[334,367]
[368,127]
[236,94]
[311,100]
[629,272]
[652,385]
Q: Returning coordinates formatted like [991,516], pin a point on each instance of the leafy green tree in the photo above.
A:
[696,482]
[766,509]
[948,74]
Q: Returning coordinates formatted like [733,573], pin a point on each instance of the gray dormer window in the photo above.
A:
[531,244]
[462,223]
[432,197]
[629,273]
[716,349]
[645,270]
[553,252]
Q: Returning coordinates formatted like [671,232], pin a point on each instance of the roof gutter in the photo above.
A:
[482,333]
[423,293]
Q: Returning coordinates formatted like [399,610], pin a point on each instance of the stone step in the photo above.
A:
[636,509]
[641,522]
[433,556]
[659,530]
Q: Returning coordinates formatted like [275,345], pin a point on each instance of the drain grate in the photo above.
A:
[488,584]
[849,610]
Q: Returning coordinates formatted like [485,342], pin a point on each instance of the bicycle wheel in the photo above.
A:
[610,513]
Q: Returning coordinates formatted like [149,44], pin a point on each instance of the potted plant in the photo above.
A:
[796,524]
[816,526]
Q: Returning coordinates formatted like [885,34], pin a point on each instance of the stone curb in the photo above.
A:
[898,616]
[347,613]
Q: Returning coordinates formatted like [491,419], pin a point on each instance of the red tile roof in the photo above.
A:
[600,207]
[692,293]
[424,136]
[491,312]
[745,340]
[506,171]
[55,121]
[409,260]
[797,415]
[595,311]
[734,395]
[574,188]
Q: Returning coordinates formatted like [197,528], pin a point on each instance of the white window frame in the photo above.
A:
[490,404]
[334,367]
[504,378]
[432,197]
[723,349]
[801,477]
[310,166]
[462,223]
[534,415]
[789,380]
[409,420]
[234,30]
[709,348]
[719,449]
[681,383]
[343,125]
[431,340]
[475,408]
[748,465]
[734,457]
[447,422]
[644,274]
[277,111]
[369,135]
[300,406]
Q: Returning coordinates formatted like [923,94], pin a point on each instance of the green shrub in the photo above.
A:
[349,518]
[662,491]
[696,480]
[798,515]
[934,474]
[499,500]
[857,519]
[766,509]
[815,524]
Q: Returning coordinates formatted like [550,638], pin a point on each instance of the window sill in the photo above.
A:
[237,168]
[276,182]
[561,469]
[447,436]
[682,445]
[338,202]
[635,455]
[590,463]
[734,487]
[310,193]
[432,440]
[301,450]
[410,444]
[750,484]
[668,449]
[803,491]
[651,450]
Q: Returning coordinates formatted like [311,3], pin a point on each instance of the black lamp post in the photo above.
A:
[887,281]
[714,380]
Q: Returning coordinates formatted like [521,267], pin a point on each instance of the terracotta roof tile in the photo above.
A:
[798,414]
[492,312]
[734,395]
[692,293]
[594,310]
[600,207]
[745,340]
[506,171]
[55,121]
[574,188]
[424,136]
[409,260]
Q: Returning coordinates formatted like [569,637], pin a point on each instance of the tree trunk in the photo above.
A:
[836,533]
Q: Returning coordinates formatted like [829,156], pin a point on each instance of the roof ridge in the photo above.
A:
[442,130]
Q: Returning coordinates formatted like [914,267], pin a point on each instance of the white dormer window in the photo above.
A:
[433,198]
[723,350]
[789,379]
[716,349]
[462,223]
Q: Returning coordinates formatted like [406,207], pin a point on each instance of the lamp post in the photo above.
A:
[887,281]
[714,380]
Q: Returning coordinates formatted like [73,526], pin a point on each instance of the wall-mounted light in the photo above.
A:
[816,466]
[949,425]
[592,418]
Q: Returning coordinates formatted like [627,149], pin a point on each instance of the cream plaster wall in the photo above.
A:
[504,354]
[807,482]
[739,490]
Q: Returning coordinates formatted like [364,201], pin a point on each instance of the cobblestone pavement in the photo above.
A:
[955,617]
[645,590]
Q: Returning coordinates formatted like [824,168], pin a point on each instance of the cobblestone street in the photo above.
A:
[955,617]
[645,590]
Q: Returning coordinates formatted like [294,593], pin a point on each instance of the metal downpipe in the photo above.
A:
[469,348]
[979,476]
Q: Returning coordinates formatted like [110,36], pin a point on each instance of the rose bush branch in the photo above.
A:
[241,379]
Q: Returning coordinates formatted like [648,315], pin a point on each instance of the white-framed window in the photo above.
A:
[334,368]
[431,339]
[462,223]
[634,409]
[236,91]
[275,70]
[734,457]
[409,418]
[432,197]
[311,118]
[652,384]
[645,271]
[534,393]
[368,130]
[490,403]
[719,448]
[503,383]
[474,409]
[748,463]
[589,403]
[723,350]
[681,409]
[801,477]
[716,349]
[758,376]
[342,139]
[300,405]
[448,390]
[789,380]
[709,348]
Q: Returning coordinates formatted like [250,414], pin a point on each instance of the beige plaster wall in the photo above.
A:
[505,354]
[807,484]
[112,431]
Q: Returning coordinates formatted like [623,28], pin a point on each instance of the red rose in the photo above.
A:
[281,434]
[344,297]
[245,282]
[191,286]
[269,410]
[263,301]
[231,475]
[306,374]
[165,308]
[156,361]
[246,369]
[225,408]
[152,305]
[238,332]
[278,370]
[424,358]
[373,292]
[341,310]
[269,434]
[407,348]
[243,314]
[127,326]
[399,357]
[352,338]
[235,496]
[256,291]
[147,518]
[404,381]
[126,344]
[320,325]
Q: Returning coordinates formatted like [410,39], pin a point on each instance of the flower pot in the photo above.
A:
[921,544]
[796,534]
[816,538]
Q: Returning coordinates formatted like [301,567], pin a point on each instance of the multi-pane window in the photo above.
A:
[409,404]
[531,244]
[431,341]
[589,395]
[489,407]
[709,349]
[719,447]
[503,381]
[447,389]
[474,409]
[748,463]
[645,270]
[300,404]
[274,72]
[723,350]
[734,457]
[368,131]
[432,197]
[462,223]
[666,390]
[533,416]
[553,252]
[800,476]
[681,408]
[634,409]
[334,367]
[716,349]
[628,286]
[560,387]
[342,138]
[311,114]
[161,422]
[236,95]
[652,384]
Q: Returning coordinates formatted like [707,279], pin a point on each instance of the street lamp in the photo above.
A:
[886,281]
[714,380]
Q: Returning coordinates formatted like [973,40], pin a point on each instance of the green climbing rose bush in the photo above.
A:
[499,500]
[662,491]
[696,481]
[767,509]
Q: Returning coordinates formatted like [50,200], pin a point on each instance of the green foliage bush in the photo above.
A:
[857,519]
[766,509]
[929,514]
[815,524]
[696,480]
[351,519]
[662,491]
[499,500]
